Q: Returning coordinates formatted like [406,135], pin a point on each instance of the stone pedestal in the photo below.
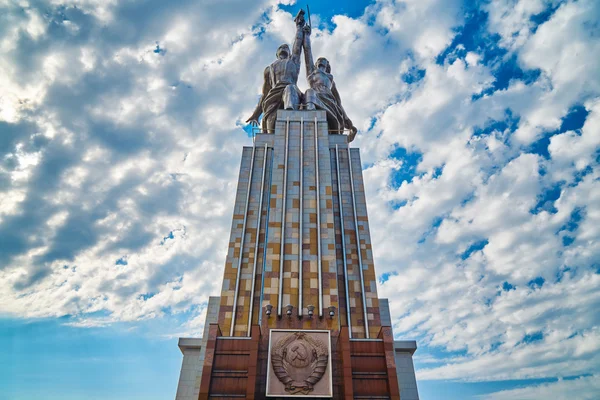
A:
[299,259]
[193,350]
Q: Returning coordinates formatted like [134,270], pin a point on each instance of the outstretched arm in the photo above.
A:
[265,91]
[347,122]
[336,94]
[308,58]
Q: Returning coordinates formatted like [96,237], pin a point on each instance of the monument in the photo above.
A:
[298,314]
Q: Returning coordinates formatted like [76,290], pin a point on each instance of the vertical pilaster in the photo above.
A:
[388,346]
[299,260]
[364,244]
[209,357]
[344,348]
[308,224]
[299,236]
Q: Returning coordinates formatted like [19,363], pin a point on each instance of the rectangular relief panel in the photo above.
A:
[299,363]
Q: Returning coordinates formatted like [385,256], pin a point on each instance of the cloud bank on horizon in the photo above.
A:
[120,141]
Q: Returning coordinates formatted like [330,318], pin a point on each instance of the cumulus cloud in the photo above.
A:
[119,137]
[586,388]
[120,144]
[495,264]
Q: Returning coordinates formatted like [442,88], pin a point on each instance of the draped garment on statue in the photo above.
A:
[282,94]
[272,102]
[322,96]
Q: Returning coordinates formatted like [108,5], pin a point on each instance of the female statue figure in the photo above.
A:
[322,94]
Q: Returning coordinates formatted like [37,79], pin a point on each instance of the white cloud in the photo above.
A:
[424,26]
[485,191]
[120,143]
[582,388]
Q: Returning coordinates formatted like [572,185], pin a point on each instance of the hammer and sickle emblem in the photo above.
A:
[299,353]
[299,362]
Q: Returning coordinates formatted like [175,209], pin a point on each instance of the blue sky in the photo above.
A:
[120,143]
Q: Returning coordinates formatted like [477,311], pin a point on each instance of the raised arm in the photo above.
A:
[265,90]
[298,39]
[308,58]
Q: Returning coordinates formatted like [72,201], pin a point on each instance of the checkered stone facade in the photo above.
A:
[299,236]
[299,128]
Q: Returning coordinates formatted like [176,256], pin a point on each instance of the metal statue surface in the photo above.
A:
[280,90]
[280,78]
[323,94]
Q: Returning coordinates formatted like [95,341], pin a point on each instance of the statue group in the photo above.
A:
[280,90]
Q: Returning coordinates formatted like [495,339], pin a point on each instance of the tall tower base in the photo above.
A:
[366,377]
[298,314]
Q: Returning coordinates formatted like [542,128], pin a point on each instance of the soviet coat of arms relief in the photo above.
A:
[299,362]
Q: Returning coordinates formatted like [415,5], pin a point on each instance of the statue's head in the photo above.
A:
[283,51]
[323,64]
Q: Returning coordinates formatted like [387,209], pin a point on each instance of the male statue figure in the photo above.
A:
[323,95]
[280,79]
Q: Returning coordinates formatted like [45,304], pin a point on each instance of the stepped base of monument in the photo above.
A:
[298,314]
[223,367]
[237,367]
